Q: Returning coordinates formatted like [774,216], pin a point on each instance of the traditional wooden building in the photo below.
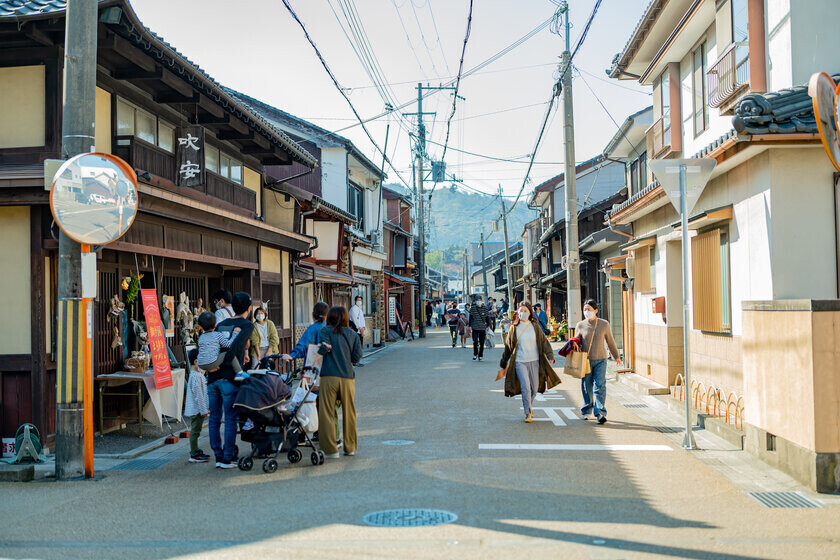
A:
[400,284]
[201,157]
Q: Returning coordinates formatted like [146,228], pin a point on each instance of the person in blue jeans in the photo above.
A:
[221,387]
[595,336]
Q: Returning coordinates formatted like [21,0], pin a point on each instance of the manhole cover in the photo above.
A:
[784,500]
[409,518]
[398,442]
[635,405]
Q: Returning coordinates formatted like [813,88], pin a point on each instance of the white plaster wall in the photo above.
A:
[334,176]
[814,38]
[779,36]
[644,227]
[591,187]
[804,246]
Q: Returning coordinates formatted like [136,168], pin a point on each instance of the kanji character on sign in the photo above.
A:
[189,141]
[190,170]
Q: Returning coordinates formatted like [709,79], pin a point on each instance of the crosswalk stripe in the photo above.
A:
[572,447]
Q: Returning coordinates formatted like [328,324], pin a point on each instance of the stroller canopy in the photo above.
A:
[262,391]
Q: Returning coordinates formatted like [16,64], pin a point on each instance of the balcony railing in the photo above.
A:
[659,137]
[157,161]
[730,75]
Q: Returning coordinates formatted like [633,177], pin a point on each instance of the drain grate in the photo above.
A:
[669,429]
[142,464]
[398,442]
[784,500]
[409,518]
[635,405]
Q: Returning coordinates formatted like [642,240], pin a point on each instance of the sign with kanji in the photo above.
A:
[157,339]
[189,156]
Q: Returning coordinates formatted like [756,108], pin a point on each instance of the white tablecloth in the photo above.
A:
[168,401]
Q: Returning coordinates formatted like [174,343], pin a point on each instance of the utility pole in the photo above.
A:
[572,256]
[507,251]
[77,137]
[420,152]
[466,278]
[483,267]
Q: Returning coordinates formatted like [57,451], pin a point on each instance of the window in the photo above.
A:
[356,205]
[643,170]
[222,164]
[663,92]
[698,86]
[710,282]
[645,269]
[303,304]
[211,158]
[398,255]
[740,25]
[634,177]
[134,121]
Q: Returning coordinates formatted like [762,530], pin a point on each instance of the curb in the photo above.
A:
[136,452]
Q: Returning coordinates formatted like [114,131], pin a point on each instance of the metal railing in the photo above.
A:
[658,136]
[730,75]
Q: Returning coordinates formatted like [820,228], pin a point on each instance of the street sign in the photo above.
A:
[94,198]
[823,92]
[697,173]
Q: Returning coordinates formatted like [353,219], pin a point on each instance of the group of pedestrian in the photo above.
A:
[238,336]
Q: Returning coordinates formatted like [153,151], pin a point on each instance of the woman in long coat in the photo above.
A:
[526,361]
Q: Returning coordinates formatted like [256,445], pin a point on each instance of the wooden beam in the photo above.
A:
[138,74]
[36,34]
[262,141]
[177,84]
[239,125]
[128,51]
[213,119]
[224,135]
[210,106]
[176,98]
[250,150]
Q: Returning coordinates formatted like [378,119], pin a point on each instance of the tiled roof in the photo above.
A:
[785,111]
[168,55]
[619,62]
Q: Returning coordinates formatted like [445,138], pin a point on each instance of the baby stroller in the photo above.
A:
[269,419]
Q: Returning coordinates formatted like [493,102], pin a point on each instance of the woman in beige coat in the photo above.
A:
[526,361]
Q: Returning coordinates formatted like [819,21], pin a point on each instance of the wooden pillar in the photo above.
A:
[38,341]
[675,97]
[758,46]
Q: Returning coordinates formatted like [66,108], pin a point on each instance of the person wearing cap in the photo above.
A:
[479,322]
[542,318]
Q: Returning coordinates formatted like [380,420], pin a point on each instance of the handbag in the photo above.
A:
[577,363]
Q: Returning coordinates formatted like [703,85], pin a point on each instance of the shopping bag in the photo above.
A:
[577,364]
[308,417]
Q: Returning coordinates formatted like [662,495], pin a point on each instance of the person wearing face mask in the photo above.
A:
[357,322]
[595,336]
[264,339]
[222,299]
[479,321]
[526,360]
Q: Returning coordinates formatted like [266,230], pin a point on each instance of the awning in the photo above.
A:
[559,275]
[400,277]
[601,240]
[707,218]
[639,243]
[616,262]
[361,278]
[323,274]
[553,228]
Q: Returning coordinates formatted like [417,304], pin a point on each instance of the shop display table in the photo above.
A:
[168,401]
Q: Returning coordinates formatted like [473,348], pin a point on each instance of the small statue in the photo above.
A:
[199,308]
[183,315]
[115,318]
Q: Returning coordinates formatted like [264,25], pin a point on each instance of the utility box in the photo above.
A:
[658,304]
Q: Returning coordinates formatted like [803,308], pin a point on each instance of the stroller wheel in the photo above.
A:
[321,457]
[315,458]
[269,465]
[294,455]
[245,463]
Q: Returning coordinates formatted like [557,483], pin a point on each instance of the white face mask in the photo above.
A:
[524,315]
[358,304]
[479,303]
[589,314]
[260,317]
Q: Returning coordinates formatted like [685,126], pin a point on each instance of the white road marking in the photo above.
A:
[571,447]
[551,414]
[545,398]
[569,411]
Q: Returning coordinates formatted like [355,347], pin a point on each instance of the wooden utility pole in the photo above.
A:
[507,251]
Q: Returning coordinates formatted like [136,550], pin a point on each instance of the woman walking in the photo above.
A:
[526,361]
[341,348]
[593,333]
[264,339]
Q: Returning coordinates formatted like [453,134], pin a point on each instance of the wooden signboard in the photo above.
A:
[189,156]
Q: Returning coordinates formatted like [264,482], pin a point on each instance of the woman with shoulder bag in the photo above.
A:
[341,348]
[526,361]
[593,334]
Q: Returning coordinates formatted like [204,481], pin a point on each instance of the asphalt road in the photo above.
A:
[586,498]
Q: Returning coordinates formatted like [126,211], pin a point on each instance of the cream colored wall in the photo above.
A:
[327,234]
[802,228]
[16,326]
[287,298]
[22,107]
[716,361]
[253,180]
[103,121]
[791,388]
[270,260]
[279,212]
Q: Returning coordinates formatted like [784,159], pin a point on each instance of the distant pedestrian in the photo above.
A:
[264,339]
[357,322]
[221,300]
[340,347]
[441,313]
[492,312]
[429,312]
[503,307]
[526,360]
[463,328]
[542,318]
[595,335]
[479,321]
[452,320]
[196,407]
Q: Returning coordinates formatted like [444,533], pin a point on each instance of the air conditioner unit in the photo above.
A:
[631,267]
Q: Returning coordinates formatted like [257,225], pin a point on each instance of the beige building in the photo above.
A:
[764,314]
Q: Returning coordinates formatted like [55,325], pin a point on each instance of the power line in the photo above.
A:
[410,44]
[338,87]
[607,111]
[509,160]
[423,38]
[457,82]
[613,82]
[437,35]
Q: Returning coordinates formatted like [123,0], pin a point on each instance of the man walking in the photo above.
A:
[541,317]
[479,321]
[357,322]
[221,389]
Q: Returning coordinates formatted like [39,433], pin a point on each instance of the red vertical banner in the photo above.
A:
[157,339]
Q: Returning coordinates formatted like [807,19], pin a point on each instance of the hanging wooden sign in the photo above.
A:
[189,156]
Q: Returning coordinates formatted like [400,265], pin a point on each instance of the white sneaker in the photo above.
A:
[333,456]
[587,416]
[222,465]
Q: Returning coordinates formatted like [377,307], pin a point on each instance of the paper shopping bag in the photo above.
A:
[577,364]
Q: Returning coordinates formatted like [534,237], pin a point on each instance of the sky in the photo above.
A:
[256,47]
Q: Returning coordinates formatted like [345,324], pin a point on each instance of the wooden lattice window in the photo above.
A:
[710,287]
[644,265]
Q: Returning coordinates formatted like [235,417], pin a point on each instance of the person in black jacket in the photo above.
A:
[479,321]
[341,349]
[221,387]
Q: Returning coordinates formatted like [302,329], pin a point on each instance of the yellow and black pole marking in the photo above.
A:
[72,319]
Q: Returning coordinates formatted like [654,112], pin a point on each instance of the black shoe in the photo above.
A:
[602,419]
[480,358]
[475,358]
[453,345]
